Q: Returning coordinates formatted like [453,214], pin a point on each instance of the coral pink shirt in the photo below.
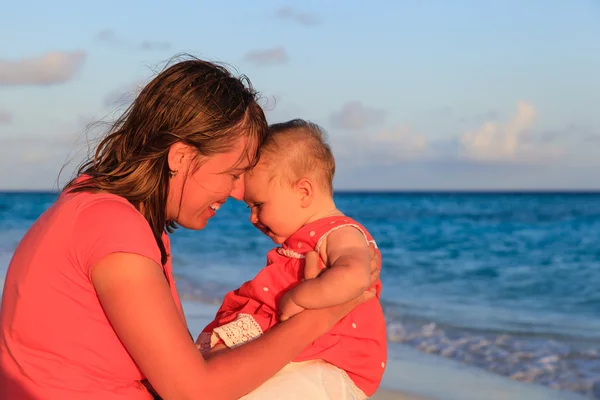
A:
[55,340]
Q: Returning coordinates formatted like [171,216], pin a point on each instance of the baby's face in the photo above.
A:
[274,206]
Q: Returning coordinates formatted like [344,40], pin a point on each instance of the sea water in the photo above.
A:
[508,282]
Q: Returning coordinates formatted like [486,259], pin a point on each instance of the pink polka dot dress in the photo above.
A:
[356,345]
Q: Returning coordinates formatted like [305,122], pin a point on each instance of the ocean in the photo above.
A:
[507,282]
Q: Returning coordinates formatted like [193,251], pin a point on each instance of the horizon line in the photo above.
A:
[392,191]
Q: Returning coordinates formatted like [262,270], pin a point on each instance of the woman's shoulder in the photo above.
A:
[112,205]
[98,214]
[104,223]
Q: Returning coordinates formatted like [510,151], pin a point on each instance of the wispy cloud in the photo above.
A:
[592,138]
[35,156]
[41,157]
[276,55]
[501,142]
[494,142]
[480,117]
[107,36]
[302,18]
[110,37]
[6,117]
[570,130]
[48,69]
[401,139]
[355,116]
[401,144]
[123,95]
[154,45]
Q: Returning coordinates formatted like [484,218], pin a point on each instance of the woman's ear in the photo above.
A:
[179,156]
[305,191]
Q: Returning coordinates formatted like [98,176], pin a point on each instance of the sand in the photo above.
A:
[384,394]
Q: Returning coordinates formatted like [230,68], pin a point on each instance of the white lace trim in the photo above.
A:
[292,254]
[289,253]
[241,330]
[322,238]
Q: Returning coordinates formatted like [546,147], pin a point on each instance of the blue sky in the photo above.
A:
[414,94]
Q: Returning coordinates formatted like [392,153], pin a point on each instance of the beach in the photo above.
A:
[413,375]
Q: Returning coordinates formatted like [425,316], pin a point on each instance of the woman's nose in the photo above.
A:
[238,189]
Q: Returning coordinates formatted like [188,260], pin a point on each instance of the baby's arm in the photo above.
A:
[347,253]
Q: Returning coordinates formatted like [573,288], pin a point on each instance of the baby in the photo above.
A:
[290,196]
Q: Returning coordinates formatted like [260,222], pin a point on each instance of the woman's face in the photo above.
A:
[198,190]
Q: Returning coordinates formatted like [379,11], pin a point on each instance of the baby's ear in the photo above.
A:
[305,191]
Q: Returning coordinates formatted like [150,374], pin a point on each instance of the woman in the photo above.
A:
[90,308]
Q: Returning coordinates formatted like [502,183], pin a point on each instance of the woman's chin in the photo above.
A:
[195,224]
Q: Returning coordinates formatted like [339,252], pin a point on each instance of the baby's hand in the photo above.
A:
[287,307]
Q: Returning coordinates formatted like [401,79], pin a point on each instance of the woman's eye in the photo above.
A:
[235,177]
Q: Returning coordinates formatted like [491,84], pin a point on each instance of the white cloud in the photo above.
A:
[387,147]
[303,18]
[276,55]
[355,116]
[110,37]
[498,142]
[401,143]
[35,157]
[50,68]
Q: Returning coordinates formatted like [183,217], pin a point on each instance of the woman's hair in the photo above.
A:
[193,101]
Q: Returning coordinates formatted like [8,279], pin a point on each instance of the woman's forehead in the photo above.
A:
[239,157]
[247,154]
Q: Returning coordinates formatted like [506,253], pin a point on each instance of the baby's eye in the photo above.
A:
[235,177]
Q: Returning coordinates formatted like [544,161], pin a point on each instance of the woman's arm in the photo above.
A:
[138,303]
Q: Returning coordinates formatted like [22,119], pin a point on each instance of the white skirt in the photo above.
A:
[313,380]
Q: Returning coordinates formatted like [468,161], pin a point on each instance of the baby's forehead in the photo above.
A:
[267,167]
[255,180]
[259,173]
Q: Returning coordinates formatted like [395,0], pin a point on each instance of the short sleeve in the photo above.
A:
[109,224]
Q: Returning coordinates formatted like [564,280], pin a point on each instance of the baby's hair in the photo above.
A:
[298,149]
